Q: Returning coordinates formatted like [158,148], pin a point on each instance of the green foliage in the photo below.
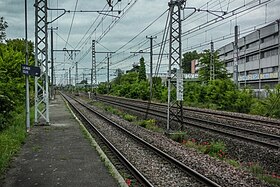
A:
[187,59]
[150,124]
[269,106]
[12,82]
[218,94]
[204,71]
[113,110]
[12,137]
[158,90]
[129,117]
[102,88]
[142,70]
[234,163]
[216,149]
[129,86]
[3,27]
[119,74]
[178,136]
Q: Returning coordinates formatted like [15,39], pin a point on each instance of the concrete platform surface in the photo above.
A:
[58,155]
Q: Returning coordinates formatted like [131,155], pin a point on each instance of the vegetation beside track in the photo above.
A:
[215,149]
[216,94]
[12,138]
[12,95]
[218,150]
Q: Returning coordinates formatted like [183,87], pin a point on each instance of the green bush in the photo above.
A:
[150,124]
[216,149]
[129,117]
[218,94]
[269,106]
[178,136]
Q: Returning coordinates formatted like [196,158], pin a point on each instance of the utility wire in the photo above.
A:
[90,29]
[124,12]
[71,23]
[205,25]
[64,40]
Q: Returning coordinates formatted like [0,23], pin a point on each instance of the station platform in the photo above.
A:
[59,155]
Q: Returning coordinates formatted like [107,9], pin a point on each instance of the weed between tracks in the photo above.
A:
[218,150]
[148,124]
[214,149]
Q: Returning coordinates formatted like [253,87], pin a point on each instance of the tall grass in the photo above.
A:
[12,138]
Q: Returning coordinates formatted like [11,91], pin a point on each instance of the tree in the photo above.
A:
[84,82]
[142,70]
[187,60]
[12,82]
[119,74]
[220,71]
[3,26]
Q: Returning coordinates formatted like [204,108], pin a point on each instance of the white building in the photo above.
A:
[258,57]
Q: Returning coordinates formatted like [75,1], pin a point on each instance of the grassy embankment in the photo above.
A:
[12,138]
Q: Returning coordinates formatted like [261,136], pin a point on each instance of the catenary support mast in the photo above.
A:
[175,105]
[151,63]
[93,67]
[41,51]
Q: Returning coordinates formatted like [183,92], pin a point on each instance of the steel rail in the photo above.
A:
[167,157]
[162,114]
[136,173]
[245,119]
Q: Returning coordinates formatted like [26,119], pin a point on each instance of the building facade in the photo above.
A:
[257,57]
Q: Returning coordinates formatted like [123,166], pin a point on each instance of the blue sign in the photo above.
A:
[30,70]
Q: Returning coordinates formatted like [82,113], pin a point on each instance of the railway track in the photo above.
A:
[261,138]
[156,162]
[224,115]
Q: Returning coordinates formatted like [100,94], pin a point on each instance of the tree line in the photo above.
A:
[12,82]
[220,93]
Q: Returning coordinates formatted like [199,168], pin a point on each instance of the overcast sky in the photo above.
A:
[138,15]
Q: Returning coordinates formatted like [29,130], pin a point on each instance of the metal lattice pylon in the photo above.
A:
[41,60]
[175,105]
[93,68]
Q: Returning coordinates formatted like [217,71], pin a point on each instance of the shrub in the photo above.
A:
[178,136]
[216,149]
[129,117]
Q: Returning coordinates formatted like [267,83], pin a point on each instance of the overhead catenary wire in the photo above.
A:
[157,33]
[163,31]
[124,12]
[71,24]
[224,5]
[202,25]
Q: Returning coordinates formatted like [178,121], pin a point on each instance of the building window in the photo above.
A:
[252,58]
[268,38]
[241,60]
[269,53]
[267,70]
[253,44]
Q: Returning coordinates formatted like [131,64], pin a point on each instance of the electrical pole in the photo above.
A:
[175,107]
[212,62]
[108,66]
[66,77]
[93,66]
[70,76]
[108,71]
[76,75]
[41,50]
[52,65]
[151,63]
[27,107]
[235,56]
